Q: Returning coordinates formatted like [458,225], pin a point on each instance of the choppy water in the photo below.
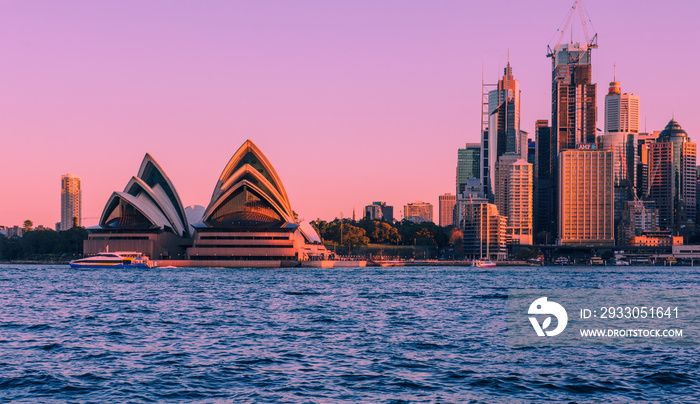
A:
[315,335]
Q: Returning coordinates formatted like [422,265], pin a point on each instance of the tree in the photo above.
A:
[321,227]
[384,233]
[354,236]
[40,243]
[424,237]
[28,226]
[10,248]
[351,235]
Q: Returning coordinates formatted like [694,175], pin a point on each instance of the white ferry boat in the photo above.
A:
[119,259]
[483,263]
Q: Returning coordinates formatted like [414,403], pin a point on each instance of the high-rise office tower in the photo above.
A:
[71,212]
[621,110]
[514,197]
[624,148]
[573,124]
[644,140]
[573,96]
[621,130]
[531,153]
[504,134]
[483,229]
[545,196]
[672,177]
[447,209]
[586,197]
[468,160]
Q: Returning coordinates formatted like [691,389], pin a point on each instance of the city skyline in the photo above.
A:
[374,99]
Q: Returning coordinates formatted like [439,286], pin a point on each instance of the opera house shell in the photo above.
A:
[147,217]
[249,218]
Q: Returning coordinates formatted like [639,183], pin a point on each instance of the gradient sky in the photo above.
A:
[352,101]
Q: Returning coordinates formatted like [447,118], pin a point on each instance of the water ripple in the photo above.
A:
[400,335]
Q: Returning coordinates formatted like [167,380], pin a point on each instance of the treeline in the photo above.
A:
[43,244]
[367,231]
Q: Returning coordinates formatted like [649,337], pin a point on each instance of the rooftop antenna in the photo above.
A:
[615,73]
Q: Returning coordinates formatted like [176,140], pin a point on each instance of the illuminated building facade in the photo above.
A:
[586,197]
[467,165]
[483,229]
[71,206]
[514,197]
[672,177]
[447,208]
[418,212]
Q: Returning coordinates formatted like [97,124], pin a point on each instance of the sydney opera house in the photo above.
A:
[249,219]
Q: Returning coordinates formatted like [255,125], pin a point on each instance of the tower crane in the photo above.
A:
[591,42]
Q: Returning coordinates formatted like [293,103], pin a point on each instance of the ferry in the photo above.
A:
[483,263]
[596,260]
[119,259]
[562,261]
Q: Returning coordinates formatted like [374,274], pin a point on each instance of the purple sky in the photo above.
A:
[352,101]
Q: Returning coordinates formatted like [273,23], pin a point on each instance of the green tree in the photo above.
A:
[321,227]
[354,236]
[10,248]
[384,233]
[28,226]
[38,243]
[351,235]
[424,237]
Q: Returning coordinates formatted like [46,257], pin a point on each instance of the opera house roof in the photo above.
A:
[149,202]
[248,196]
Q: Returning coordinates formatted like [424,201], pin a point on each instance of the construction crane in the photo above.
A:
[591,42]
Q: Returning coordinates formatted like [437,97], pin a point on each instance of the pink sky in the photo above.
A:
[352,101]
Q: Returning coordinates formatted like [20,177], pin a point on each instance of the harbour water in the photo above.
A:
[374,335]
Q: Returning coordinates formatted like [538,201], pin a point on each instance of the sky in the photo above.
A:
[351,101]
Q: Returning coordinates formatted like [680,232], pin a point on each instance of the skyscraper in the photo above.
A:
[467,165]
[545,195]
[573,96]
[672,177]
[482,227]
[621,110]
[71,213]
[447,209]
[504,134]
[573,124]
[586,197]
[624,148]
[621,130]
[514,197]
